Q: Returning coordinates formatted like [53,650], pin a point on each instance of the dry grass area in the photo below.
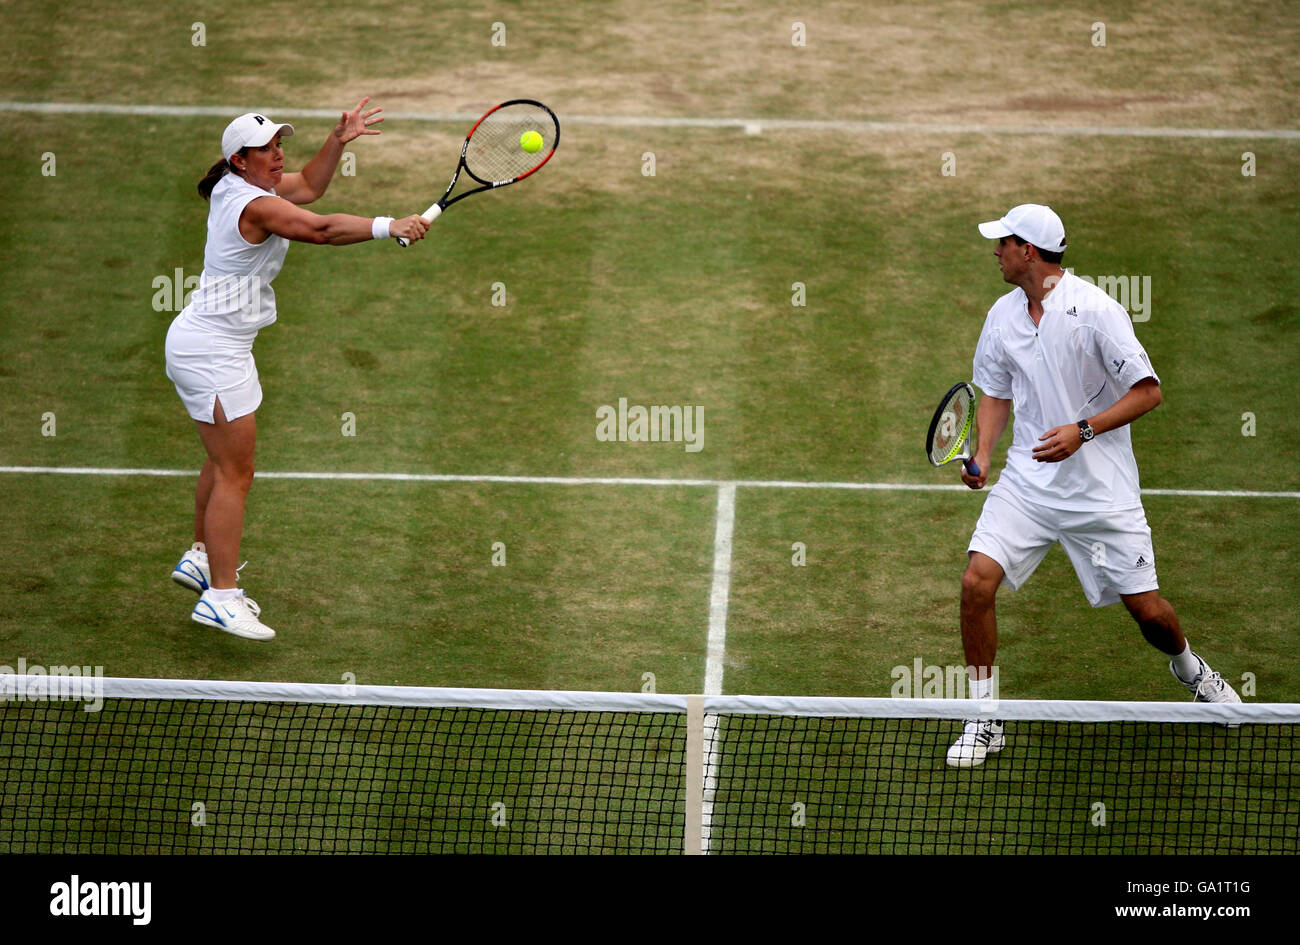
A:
[1214,63]
[1166,63]
[890,175]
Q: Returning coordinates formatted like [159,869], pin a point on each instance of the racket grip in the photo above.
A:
[429,216]
[972,467]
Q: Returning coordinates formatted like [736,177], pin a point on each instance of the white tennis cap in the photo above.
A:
[1033,223]
[250,131]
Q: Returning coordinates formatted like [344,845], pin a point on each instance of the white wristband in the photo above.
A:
[379,228]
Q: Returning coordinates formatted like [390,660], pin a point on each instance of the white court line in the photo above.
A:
[719,595]
[726,522]
[749,125]
[605,481]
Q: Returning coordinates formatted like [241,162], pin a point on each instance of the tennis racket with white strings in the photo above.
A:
[506,145]
[950,430]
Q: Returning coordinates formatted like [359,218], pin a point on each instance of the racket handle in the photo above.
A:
[429,216]
[972,467]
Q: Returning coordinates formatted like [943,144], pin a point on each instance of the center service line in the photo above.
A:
[717,648]
[710,741]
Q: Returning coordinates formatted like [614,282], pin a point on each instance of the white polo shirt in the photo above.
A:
[1080,359]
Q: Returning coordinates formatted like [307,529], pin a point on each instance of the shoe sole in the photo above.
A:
[233,631]
[188,581]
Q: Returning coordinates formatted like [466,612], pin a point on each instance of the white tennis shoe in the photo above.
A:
[978,740]
[235,616]
[192,571]
[1208,686]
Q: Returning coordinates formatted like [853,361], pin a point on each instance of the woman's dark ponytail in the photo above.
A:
[215,173]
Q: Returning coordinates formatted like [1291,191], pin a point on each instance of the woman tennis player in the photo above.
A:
[255,212]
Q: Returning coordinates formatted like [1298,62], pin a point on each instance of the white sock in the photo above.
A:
[981,689]
[223,594]
[1186,665]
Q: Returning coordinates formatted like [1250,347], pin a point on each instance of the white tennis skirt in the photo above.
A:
[205,365]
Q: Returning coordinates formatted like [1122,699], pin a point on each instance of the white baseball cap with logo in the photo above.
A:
[250,131]
[1033,223]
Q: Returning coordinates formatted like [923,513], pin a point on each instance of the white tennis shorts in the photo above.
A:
[206,365]
[1111,551]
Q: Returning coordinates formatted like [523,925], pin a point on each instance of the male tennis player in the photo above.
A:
[1065,354]
[255,211]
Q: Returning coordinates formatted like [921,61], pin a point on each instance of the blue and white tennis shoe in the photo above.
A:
[192,570]
[235,616]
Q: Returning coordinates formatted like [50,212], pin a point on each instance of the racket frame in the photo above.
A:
[961,446]
[443,203]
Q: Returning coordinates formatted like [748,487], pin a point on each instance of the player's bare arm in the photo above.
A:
[277,215]
[1062,442]
[310,184]
[990,421]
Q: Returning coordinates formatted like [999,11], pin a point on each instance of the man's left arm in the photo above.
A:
[1061,442]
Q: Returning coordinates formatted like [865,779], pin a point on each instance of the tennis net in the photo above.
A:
[189,766]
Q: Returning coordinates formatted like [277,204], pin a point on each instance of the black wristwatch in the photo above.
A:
[1086,432]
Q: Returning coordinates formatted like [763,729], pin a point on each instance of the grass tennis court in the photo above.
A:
[672,289]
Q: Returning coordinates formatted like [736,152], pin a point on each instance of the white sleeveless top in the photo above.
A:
[234,295]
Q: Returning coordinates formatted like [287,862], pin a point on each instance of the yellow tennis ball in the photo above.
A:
[530,141]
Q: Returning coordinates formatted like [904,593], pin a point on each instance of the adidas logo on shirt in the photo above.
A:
[1142,562]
